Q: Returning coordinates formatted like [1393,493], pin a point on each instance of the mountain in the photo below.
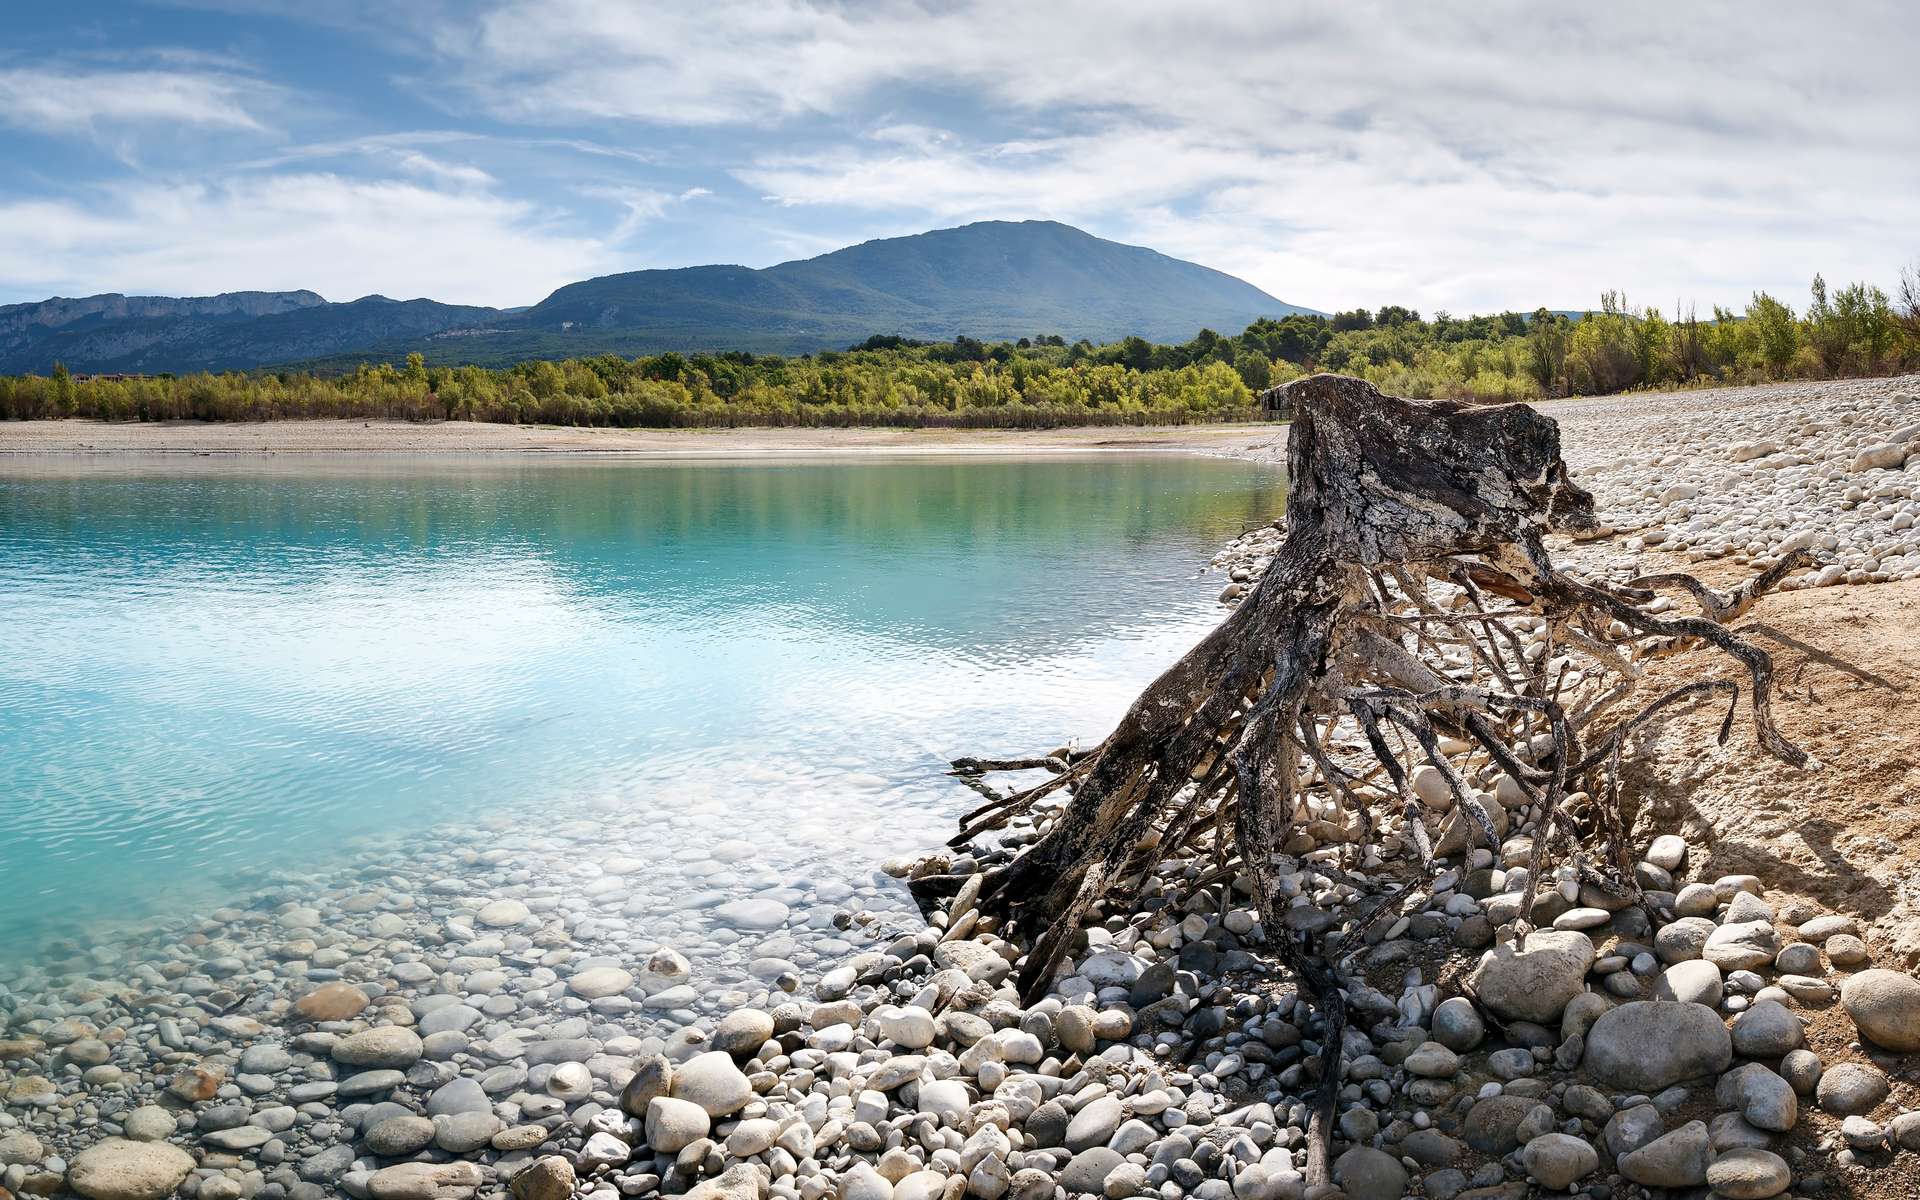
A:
[234,331]
[990,280]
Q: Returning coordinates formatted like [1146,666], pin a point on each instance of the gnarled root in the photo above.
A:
[1411,631]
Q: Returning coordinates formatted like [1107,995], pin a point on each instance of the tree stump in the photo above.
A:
[1412,600]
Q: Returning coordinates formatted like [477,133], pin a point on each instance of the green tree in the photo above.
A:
[1775,333]
[63,391]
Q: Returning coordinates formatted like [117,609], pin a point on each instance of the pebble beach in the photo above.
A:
[549,1010]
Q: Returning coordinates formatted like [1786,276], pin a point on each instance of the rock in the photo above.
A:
[1749,1174]
[1533,982]
[239,1139]
[1364,1173]
[549,1178]
[119,1169]
[1862,1134]
[1695,981]
[1667,851]
[331,1002]
[1676,1160]
[1801,1069]
[1457,1024]
[1848,1088]
[1819,929]
[1557,1159]
[192,1084]
[570,1082]
[21,1149]
[1884,457]
[673,1125]
[1742,946]
[458,1096]
[393,1047]
[397,1137]
[519,1137]
[465,1133]
[1885,1007]
[425,1181]
[752,1137]
[604,1151]
[1846,950]
[753,914]
[1492,1124]
[1095,1124]
[149,1123]
[1582,918]
[1905,1131]
[738,1182]
[1632,1128]
[982,964]
[946,1099]
[597,983]
[1647,1045]
[1074,1028]
[742,1032]
[502,914]
[1087,1171]
[1745,907]
[1766,1030]
[1765,1100]
[712,1081]
[652,1077]
[1431,1060]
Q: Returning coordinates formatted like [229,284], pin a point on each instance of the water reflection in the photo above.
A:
[245,664]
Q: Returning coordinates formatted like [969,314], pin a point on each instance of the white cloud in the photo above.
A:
[341,237]
[64,101]
[457,174]
[1468,158]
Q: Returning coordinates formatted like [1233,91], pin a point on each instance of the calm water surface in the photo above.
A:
[214,667]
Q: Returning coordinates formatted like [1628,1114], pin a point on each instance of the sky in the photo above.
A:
[1466,158]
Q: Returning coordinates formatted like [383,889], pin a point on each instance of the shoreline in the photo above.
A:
[405,439]
[372,437]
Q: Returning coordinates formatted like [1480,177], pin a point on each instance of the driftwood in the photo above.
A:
[1412,603]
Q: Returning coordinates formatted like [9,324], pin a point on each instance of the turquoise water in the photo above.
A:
[213,667]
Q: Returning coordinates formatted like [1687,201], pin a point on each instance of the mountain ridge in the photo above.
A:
[991,280]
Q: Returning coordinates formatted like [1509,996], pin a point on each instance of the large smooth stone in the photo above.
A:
[1648,1045]
[117,1169]
[596,983]
[1749,1174]
[1368,1174]
[1885,1007]
[1557,1159]
[394,1047]
[1675,1160]
[712,1081]
[1695,981]
[1742,946]
[331,1002]
[1535,981]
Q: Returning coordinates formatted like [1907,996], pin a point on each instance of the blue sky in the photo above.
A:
[1509,155]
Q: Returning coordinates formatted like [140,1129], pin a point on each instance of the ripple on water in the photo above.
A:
[215,674]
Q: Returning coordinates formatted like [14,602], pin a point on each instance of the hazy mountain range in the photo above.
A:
[991,280]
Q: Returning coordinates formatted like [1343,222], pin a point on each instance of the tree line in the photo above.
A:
[1042,382]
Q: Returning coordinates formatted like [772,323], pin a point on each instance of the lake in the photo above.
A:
[219,674]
